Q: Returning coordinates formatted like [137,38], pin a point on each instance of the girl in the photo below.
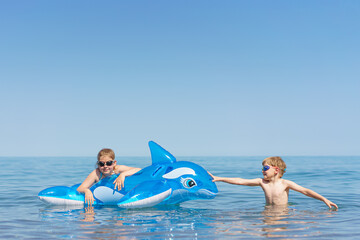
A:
[106,166]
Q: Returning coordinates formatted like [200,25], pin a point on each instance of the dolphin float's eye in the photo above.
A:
[189,183]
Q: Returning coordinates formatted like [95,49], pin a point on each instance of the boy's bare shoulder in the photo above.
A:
[285,181]
[291,184]
[258,180]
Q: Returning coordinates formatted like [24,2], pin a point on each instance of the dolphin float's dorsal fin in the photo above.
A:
[160,155]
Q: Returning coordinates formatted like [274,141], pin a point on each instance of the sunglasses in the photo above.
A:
[265,168]
[108,163]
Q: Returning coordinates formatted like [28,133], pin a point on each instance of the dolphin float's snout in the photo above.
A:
[61,195]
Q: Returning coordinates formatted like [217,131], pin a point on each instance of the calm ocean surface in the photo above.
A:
[238,212]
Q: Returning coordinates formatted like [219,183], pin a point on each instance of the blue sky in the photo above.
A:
[204,78]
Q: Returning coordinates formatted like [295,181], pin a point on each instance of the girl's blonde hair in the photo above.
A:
[106,152]
[276,162]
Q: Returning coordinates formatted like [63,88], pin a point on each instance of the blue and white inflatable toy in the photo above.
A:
[166,181]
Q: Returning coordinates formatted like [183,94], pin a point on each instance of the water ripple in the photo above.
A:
[237,212]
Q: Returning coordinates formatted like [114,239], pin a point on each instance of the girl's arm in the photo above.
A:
[125,171]
[310,193]
[85,187]
[237,181]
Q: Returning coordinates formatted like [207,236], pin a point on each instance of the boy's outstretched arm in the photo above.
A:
[310,193]
[237,181]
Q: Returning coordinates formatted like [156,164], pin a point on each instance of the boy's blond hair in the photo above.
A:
[106,152]
[275,162]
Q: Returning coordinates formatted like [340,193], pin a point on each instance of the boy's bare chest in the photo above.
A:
[274,189]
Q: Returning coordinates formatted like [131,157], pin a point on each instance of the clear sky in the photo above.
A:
[201,78]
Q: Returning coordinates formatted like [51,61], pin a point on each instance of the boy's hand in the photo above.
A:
[214,177]
[330,204]
[119,182]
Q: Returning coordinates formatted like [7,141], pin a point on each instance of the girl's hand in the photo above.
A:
[119,182]
[89,197]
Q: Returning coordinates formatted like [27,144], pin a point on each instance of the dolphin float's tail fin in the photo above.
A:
[160,155]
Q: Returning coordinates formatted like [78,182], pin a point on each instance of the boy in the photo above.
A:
[275,188]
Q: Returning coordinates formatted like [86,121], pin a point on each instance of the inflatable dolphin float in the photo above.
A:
[165,181]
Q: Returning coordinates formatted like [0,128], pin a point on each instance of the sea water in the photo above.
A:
[238,212]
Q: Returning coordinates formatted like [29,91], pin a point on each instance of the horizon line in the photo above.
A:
[123,156]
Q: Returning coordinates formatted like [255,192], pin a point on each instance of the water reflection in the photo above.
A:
[89,214]
[179,222]
[276,220]
[287,221]
[112,222]
[164,222]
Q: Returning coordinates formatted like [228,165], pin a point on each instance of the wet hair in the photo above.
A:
[106,152]
[276,162]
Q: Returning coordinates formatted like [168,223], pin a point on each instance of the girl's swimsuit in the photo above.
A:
[102,174]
